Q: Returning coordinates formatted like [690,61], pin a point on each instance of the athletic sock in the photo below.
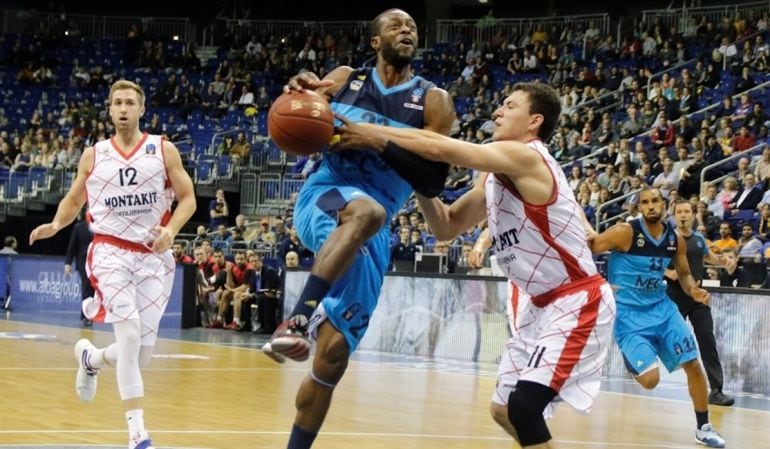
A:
[136,428]
[702,418]
[301,439]
[315,290]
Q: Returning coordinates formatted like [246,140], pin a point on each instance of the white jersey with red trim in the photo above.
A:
[538,247]
[129,193]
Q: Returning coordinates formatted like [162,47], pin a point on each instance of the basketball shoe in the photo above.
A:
[85,380]
[140,441]
[290,339]
[707,436]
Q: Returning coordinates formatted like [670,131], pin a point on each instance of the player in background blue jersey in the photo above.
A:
[648,325]
[343,208]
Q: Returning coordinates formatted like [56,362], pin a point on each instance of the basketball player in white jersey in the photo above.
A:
[130,182]
[538,234]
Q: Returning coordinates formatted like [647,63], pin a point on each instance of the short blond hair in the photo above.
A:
[126,84]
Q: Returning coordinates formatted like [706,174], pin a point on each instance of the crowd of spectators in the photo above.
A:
[611,98]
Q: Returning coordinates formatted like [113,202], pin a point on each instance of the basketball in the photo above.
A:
[300,123]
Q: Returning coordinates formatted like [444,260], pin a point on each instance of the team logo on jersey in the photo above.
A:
[640,240]
[351,311]
[417,94]
[150,149]
[671,244]
[356,84]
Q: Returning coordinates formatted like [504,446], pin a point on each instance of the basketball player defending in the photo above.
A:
[539,239]
[342,210]
[130,182]
[649,325]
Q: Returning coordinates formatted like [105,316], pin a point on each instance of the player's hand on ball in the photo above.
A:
[306,80]
[163,241]
[353,135]
[700,295]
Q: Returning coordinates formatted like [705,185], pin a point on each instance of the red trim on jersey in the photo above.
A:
[165,166]
[102,313]
[514,300]
[165,218]
[576,341]
[561,291]
[130,154]
[511,187]
[539,216]
[120,243]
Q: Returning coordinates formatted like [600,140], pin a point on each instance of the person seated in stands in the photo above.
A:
[240,223]
[747,199]
[404,250]
[225,145]
[749,245]
[241,150]
[664,133]
[763,228]
[236,240]
[450,262]
[235,285]
[725,240]
[179,255]
[201,234]
[265,234]
[205,299]
[221,239]
[459,177]
[291,244]
[739,277]
[23,160]
[264,290]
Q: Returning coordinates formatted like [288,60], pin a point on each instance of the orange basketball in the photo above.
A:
[300,123]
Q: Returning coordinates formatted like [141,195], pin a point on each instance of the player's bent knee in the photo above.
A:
[649,380]
[499,414]
[526,404]
[369,214]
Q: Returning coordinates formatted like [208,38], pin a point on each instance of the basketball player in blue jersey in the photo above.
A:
[342,211]
[648,325]
[699,313]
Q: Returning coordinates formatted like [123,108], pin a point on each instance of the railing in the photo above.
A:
[485,28]
[28,22]
[604,205]
[724,161]
[679,17]
[596,152]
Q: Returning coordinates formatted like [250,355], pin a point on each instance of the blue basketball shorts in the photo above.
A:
[352,299]
[650,332]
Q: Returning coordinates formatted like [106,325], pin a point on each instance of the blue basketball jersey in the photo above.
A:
[637,275]
[364,98]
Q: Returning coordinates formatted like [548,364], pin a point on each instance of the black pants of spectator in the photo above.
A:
[267,313]
[86,289]
[703,325]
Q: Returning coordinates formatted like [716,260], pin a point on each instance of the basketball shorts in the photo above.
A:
[129,285]
[561,345]
[647,333]
[352,299]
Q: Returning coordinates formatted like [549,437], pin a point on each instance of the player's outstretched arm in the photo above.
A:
[71,204]
[447,222]
[185,195]
[618,237]
[514,159]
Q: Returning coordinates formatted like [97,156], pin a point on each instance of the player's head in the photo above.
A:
[530,111]
[176,248]
[219,257]
[683,214]
[394,37]
[240,259]
[199,254]
[651,204]
[126,104]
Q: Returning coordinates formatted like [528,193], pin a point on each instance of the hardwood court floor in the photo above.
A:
[231,397]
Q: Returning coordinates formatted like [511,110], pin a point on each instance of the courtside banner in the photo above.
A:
[38,284]
[465,319]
